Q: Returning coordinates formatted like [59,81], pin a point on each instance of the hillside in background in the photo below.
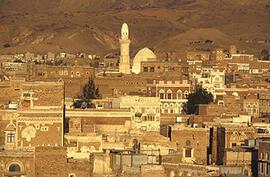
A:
[93,26]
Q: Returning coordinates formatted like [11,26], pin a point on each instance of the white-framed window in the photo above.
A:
[10,137]
[161,94]
[37,126]
[26,95]
[171,151]
[44,129]
[179,94]
[188,152]
[150,117]
[10,134]
[169,95]
[262,155]
[261,168]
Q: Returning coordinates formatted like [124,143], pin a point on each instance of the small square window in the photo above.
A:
[145,69]
[171,151]
[26,94]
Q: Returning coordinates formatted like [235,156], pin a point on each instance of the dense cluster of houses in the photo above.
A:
[138,126]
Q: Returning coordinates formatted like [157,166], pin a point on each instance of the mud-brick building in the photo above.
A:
[75,77]
[42,162]
[38,119]
[172,94]
[192,144]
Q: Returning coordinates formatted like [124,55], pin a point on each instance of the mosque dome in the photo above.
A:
[143,55]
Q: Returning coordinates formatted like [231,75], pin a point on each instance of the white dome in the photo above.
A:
[143,55]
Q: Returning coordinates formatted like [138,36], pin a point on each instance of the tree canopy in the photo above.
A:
[200,96]
[89,92]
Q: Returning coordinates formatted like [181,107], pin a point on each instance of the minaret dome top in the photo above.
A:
[124,31]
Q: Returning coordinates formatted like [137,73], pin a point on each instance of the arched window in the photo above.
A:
[161,94]
[179,94]
[169,94]
[14,168]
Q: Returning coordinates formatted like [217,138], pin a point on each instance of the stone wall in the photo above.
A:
[51,161]
[10,91]
[112,86]
[43,94]
[80,168]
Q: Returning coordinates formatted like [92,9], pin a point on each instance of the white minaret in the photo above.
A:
[124,66]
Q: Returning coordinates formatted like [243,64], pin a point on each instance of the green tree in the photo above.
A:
[264,54]
[200,96]
[89,92]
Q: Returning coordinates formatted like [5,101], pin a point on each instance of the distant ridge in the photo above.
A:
[94,25]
